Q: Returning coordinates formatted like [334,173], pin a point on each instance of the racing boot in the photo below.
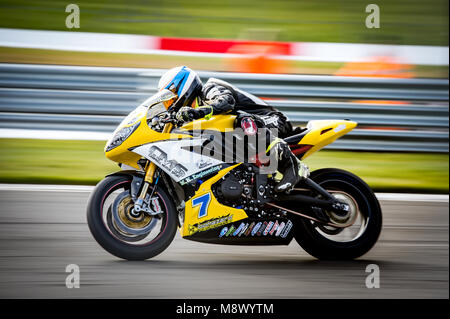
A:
[293,170]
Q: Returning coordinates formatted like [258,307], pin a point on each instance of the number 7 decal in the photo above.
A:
[203,201]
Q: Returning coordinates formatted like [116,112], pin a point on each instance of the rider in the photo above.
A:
[195,100]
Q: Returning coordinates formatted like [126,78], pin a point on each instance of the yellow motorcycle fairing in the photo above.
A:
[203,212]
[323,132]
[220,122]
[142,135]
[320,132]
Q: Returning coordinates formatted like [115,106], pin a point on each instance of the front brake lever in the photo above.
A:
[168,118]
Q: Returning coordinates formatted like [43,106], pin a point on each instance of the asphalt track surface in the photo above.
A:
[41,232]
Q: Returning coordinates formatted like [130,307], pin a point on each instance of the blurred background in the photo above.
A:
[63,90]
[63,87]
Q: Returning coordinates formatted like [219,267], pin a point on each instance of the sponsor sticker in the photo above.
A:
[203,163]
[255,229]
[287,229]
[274,228]
[270,119]
[200,175]
[223,231]
[280,228]
[260,231]
[232,228]
[210,224]
[340,128]
[269,226]
[243,229]
[161,158]
[249,229]
[238,230]
[263,228]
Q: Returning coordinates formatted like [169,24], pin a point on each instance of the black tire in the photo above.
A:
[114,245]
[313,242]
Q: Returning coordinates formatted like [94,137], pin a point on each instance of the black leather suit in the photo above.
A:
[224,97]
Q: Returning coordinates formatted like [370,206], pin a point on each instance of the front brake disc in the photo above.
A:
[121,211]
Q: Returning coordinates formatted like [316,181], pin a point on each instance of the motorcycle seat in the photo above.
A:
[297,134]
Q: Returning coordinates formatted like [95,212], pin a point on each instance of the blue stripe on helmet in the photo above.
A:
[179,80]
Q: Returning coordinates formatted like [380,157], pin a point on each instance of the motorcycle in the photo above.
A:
[166,183]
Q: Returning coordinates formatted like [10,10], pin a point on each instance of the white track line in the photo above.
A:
[412,197]
[54,134]
[86,189]
[46,188]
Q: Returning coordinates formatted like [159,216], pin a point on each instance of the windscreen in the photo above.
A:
[153,104]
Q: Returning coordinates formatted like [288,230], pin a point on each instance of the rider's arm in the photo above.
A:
[217,97]
[214,98]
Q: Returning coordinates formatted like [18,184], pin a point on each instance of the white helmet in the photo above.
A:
[182,81]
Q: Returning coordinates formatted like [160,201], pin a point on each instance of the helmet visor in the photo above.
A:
[169,103]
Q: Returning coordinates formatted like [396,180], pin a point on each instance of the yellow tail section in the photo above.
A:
[324,132]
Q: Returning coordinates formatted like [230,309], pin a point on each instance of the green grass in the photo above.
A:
[401,21]
[392,172]
[51,161]
[83,162]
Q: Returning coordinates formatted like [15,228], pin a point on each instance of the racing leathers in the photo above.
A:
[218,97]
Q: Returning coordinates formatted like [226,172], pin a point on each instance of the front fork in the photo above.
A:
[149,176]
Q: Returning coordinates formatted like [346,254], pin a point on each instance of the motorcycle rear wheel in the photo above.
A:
[123,245]
[326,243]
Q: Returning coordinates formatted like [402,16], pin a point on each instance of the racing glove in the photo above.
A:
[187,114]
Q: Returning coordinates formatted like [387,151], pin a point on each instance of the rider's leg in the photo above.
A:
[287,163]
[293,169]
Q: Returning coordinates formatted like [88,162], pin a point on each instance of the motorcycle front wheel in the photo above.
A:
[327,242]
[123,233]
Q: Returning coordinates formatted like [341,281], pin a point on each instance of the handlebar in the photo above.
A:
[170,117]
